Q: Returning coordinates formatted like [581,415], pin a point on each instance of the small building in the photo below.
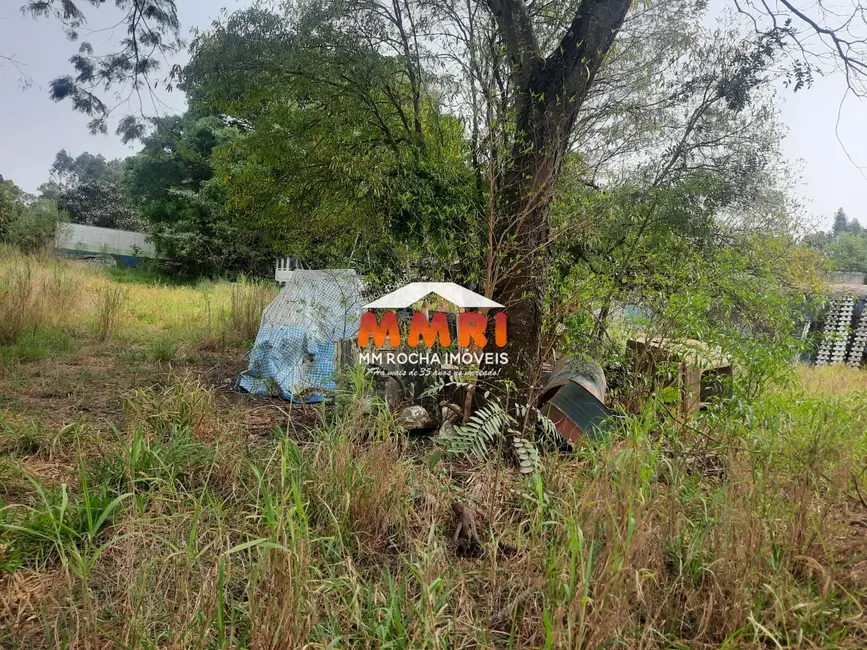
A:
[93,242]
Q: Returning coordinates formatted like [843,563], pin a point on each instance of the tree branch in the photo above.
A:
[516,28]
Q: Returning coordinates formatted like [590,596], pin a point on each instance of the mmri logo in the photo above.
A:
[472,326]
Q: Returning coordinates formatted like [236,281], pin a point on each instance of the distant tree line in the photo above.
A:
[844,246]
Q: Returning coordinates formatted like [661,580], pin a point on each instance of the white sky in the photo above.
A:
[33,128]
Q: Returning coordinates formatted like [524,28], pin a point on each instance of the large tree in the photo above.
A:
[555,57]
[186,205]
[89,189]
[342,154]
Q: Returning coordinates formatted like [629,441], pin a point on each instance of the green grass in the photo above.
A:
[147,277]
[42,298]
[163,349]
[37,345]
[173,523]
[656,538]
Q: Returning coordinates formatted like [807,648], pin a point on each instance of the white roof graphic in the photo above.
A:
[415,291]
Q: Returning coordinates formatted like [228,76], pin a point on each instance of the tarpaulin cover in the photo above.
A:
[294,353]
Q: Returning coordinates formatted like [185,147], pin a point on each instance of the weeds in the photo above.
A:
[109,304]
[234,322]
[184,404]
[16,296]
[248,301]
[175,525]
[164,349]
[347,539]
[35,293]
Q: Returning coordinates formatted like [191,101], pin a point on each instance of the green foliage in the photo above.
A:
[699,240]
[85,168]
[27,347]
[848,251]
[10,204]
[102,204]
[342,157]
[34,225]
[844,246]
[141,464]
[489,427]
[483,432]
[172,180]
[145,274]
[163,349]
[26,223]
[58,526]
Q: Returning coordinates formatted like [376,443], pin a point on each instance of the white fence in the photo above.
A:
[93,239]
[284,267]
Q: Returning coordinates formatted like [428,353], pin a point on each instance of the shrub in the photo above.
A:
[34,226]
[164,349]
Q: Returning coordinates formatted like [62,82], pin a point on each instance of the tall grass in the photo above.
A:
[41,294]
[109,306]
[35,293]
[247,301]
[740,536]
[177,527]
[234,323]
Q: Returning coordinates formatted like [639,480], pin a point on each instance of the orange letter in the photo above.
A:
[369,327]
[472,324]
[500,329]
[439,326]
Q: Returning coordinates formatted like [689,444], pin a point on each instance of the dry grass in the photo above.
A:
[832,381]
[43,297]
[109,304]
[169,516]
[35,294]
[347,538]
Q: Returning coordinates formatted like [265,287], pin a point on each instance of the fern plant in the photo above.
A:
[483,430]
[490,426]
[529,460]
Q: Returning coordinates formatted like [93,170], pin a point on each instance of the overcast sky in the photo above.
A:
[33,128]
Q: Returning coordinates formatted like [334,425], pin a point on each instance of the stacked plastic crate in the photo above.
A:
[841,335]
[828,350]
[836,334]
[859,341]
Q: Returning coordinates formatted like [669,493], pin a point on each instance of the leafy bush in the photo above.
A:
[34,226]
[101,203]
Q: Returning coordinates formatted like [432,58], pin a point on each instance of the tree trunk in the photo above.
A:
[550,92]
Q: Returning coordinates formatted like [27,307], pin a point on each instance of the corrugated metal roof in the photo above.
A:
[582,409]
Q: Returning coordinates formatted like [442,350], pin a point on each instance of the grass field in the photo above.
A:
[145,504]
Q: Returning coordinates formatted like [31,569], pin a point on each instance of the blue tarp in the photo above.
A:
[294,352]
